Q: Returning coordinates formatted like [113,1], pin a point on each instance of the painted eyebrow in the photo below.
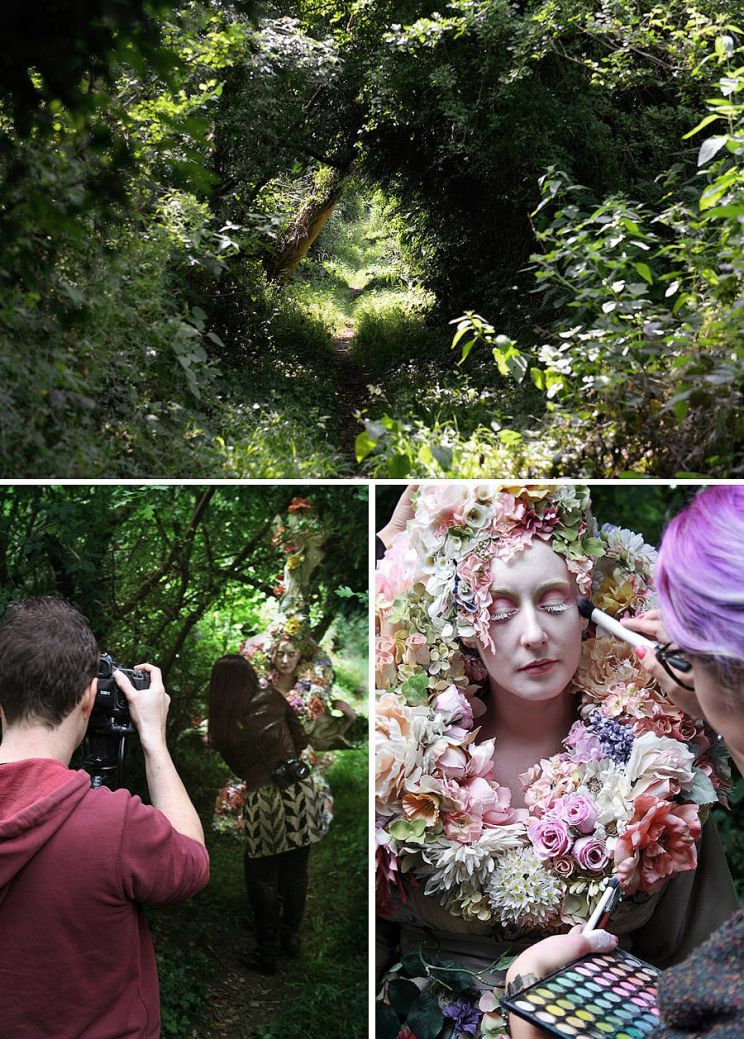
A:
[546,586]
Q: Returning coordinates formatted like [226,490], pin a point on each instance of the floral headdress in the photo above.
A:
[300,535]
[626,794]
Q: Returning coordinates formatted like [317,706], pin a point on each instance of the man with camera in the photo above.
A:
[77,864]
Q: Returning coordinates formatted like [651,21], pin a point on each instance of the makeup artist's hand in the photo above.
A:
[651,625]
[399,520]
[547,956]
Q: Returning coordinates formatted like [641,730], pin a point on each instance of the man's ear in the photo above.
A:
[89,697]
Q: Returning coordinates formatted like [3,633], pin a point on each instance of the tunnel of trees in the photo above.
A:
[237,238]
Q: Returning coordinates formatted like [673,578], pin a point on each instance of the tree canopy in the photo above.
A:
[567,172]
[176,575]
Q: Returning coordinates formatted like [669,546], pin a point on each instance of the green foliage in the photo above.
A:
[638,352]
[155,163]
[655,334]
[175,574]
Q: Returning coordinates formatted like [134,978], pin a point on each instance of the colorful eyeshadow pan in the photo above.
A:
[607,996]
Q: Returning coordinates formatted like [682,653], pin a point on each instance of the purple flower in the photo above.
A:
[550,837]
[577,810]
[584,744]
[590,854]
[464,1017]
[616,739]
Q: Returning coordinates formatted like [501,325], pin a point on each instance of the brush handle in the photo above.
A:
[613,627]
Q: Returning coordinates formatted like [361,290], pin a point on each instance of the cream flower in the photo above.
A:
[660,766]
[447,864]
[612,800]
[408,742]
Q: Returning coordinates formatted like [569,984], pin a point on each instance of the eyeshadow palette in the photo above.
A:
[604,996]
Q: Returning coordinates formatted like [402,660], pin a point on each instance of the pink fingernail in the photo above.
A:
[641,651]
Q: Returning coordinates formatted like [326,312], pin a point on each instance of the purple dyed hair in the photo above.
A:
[700,577]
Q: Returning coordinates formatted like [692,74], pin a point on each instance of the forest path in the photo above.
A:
[243,1003]
[352,282]
[207,993]
[351,390]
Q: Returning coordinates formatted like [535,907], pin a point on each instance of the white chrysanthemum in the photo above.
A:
[522,892]
[446,863]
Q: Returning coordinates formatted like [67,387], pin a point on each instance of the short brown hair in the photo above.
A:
[48,656]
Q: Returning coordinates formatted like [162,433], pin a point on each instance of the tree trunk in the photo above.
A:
[301,234]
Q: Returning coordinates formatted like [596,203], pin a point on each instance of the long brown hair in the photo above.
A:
[231,689]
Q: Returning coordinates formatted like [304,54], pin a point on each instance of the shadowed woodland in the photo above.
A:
[241,239]
[179,576]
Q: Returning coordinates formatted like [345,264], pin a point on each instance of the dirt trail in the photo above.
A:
[351,390]
[243,1003]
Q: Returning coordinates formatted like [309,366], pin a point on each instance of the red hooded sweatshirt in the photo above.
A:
[76,956]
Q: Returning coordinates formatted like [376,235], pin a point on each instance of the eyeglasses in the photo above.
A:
[669,657]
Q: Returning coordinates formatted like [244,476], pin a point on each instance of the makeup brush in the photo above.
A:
[603,620]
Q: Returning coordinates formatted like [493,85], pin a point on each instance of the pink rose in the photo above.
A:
[658,843]
[491,801]
[577,810]
[398,570]
[590,854]
[463,827]
[416,651]
[550,838]
[481,759]
[453,763]
[385,670]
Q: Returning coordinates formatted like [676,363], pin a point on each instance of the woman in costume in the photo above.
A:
[286,656]
[513,757]
[260,738]
[700,577]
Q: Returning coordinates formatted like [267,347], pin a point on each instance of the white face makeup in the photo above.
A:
[535,625]
[286,658]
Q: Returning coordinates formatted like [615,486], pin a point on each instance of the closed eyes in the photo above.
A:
[499,616]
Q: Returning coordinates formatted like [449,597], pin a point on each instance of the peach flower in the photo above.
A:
[658,842]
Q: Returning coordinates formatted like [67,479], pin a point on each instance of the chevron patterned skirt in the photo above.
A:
[278,819]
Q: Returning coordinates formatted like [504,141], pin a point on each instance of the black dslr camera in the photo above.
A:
[109,725]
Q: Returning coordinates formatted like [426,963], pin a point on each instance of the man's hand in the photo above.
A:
[148,707]
[650,625]
[149,710]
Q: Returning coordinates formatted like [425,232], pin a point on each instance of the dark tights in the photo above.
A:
[277,886]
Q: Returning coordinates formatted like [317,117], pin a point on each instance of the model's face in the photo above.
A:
[535,625]
[286,658]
